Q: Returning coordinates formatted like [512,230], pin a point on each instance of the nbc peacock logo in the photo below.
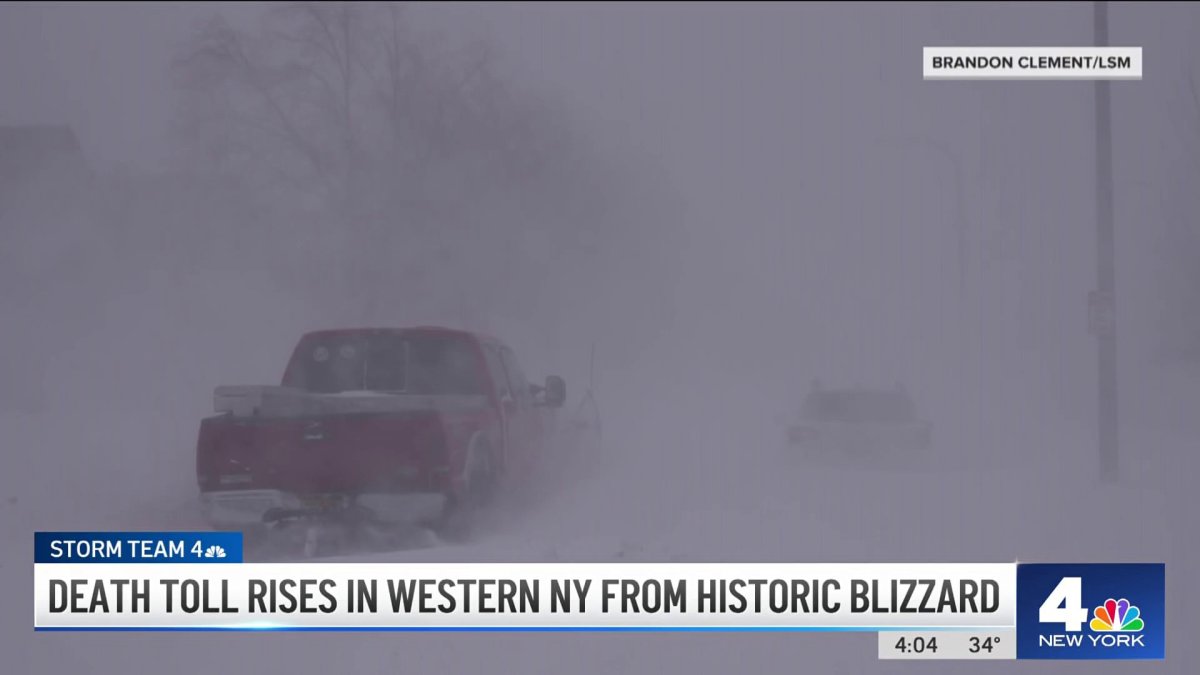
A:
[1117,615]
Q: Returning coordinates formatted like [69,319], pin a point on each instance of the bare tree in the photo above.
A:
[410,146]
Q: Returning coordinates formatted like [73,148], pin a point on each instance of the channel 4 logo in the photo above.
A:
[1091,611]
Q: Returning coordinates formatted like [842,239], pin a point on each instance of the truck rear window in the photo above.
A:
[386,362]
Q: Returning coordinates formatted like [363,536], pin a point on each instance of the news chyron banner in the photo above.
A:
[199,581]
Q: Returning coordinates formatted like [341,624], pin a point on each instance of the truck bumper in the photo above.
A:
[242,509]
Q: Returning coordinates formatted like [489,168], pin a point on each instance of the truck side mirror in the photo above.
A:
[555,391]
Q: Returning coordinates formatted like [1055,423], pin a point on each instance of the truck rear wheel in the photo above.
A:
[460,517]
[481,477]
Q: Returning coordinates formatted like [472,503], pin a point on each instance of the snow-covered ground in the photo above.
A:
[669,485]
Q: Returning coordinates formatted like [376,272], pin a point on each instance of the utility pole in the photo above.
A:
[1106,266]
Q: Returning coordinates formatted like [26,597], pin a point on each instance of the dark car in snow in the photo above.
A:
[859,420]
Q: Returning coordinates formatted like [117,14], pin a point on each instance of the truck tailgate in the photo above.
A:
[345,453]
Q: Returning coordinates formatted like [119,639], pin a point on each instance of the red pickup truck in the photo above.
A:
[379,427]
